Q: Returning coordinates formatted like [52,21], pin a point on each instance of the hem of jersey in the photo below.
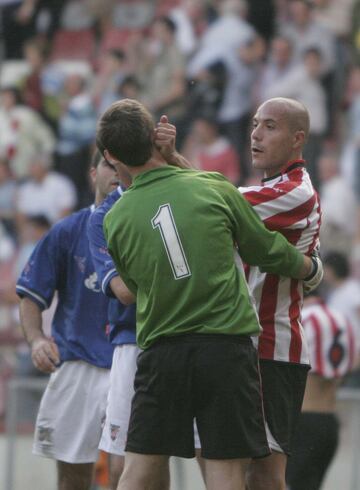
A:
[283,361]
[29,292]
[105,282]
[110,449]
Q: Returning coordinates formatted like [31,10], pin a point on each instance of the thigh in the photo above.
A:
[229,412]
[121,392]
[315,444]
[161,419]
[283,387]
[68,425]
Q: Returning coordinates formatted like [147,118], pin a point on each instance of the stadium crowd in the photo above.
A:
[207,65]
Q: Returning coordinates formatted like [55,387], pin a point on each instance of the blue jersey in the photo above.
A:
[122,318]
[61,262]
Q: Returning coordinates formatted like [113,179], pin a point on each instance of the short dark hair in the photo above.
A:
[117,53]
[126,131]
[96,159]
[338,263]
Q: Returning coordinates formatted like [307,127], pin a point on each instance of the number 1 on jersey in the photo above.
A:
[164,220]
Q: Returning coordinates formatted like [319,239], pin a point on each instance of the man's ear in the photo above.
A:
[299,139]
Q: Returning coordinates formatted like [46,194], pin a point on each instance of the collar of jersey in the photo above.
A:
[289,167]
[154,174]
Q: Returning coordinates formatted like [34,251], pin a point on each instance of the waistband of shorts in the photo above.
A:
[203,337]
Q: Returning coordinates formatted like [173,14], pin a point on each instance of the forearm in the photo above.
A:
[177,160]
[30,320]
[120,290]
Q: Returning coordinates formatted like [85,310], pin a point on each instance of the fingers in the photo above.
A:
[45,355]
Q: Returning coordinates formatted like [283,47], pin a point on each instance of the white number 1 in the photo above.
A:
[164,220]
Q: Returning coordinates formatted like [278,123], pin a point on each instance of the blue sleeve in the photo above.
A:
[103,263]
[43,271]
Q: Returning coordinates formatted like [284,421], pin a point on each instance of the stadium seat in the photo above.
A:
[71,45]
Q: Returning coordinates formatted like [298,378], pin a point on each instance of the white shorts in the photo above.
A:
[72,409]
[121,392]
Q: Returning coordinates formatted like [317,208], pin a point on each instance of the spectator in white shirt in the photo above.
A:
[46,192]
[338,204]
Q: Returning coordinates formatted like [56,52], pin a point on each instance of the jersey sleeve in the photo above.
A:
[39,278]
[119,268]
[268,250]
[102,260]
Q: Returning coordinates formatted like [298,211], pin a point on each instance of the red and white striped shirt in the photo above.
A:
[287,203]
[331,340]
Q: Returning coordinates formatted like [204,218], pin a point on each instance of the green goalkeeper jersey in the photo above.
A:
[172,236]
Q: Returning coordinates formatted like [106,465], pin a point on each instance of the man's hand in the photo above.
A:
[314,279]
[165,137]
[45,354]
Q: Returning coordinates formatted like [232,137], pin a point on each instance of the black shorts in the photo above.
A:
[283,387]
[211,378]
[315,442]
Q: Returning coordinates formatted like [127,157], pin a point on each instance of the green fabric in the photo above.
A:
[210,216]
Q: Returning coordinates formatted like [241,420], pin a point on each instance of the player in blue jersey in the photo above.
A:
[78,356]
[122,322]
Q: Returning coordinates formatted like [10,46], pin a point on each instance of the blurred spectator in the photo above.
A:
[235,112]
[8,187]
[333,355]
[113,70]
[206,91]
[334,15]
[278,65]
[77,127]
[23,133]
[162,74]
[350,159]
[46,192]
[355,32]
[337,202]
[261,15]
[303,84]
[210,151]
[305,32]
[18,24]
[186,15]
[228,33]
[40,89]
[129,88]
[343,291]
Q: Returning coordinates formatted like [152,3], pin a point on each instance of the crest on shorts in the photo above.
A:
[45,434]
[114,431]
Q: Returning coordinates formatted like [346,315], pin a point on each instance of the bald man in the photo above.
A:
[287,202]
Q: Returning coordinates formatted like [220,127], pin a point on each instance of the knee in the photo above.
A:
[264,480]
[116,469]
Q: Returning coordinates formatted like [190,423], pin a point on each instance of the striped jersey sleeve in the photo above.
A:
[331,340]
[289,204]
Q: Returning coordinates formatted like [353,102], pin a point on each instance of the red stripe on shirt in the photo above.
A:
[267,311]
[294,315]
[352,346]
[267,194]
[288,218]
[319,368]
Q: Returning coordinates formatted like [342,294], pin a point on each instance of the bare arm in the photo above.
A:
[123,294]
[44,352]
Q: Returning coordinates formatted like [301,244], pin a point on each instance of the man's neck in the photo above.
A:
[151,164]
[271,172]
